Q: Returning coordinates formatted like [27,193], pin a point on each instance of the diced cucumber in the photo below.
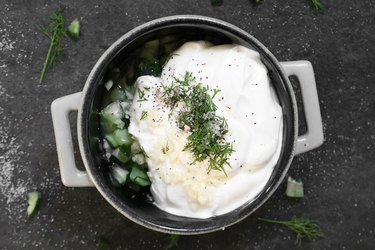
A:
[33,201]
[119,174]
[112,116]
[150,50]
[170,47]
[125,105]
[111,139]
[153,44]
[168,39]
[115,74]
[119,137]
[121,155]
[139,159]
[139,177]
[135,148]
[108,85]
[117,94]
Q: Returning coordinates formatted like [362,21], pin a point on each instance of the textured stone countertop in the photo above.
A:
[339,177]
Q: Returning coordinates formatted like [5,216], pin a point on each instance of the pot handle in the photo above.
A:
[313,138]
[71,176]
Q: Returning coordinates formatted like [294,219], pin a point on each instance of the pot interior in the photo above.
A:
[139,208]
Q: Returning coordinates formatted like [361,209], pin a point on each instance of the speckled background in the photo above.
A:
[338,177]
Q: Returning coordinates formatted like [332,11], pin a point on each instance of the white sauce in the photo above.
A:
[250,106]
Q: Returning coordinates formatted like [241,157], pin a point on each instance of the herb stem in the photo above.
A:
[46,62]
[55,31]
[304,228]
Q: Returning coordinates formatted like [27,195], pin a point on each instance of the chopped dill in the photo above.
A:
[165,149]
[206,140]
[141,95]
[54,31]
[144,115]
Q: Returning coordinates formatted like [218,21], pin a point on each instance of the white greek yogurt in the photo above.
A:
[248,103]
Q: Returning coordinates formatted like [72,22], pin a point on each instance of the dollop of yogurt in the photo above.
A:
[247,101]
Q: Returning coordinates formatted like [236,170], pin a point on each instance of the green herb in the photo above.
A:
[317,5]
[141,95]
[144,115]
[33,201]
[216,2]
[54,32]
[103,242]
[294,188]
[206,140]
[73,29]
[165,149]
[304,228]
[172,241]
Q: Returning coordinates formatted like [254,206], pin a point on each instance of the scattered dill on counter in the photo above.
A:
[54,31]
[317,4]
[304,228]
[172,241]
[103,242]
[206,140]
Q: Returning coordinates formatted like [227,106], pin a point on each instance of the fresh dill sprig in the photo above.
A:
[144,115]
[172,241]
[103,242]
[54,31]
[304,228]
[317,5]
[206,140]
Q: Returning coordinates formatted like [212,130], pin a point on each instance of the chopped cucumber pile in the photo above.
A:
[114,121]
[127,159]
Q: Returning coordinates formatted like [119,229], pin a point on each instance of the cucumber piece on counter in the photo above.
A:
[294,188]
[119,137]
[121,155]
[33,201]
[119,174]
[139,177]
[73,29]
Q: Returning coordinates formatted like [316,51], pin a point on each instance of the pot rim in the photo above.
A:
[115,47]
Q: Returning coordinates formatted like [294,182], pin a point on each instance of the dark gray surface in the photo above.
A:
[338,177]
